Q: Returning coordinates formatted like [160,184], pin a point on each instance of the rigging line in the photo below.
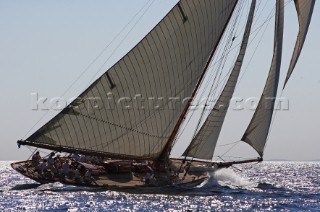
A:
[206,73]
[196,130]
[225,54]
[223,59]
[229,43]
[242,158]
[271,14]
[194,94]
[184,128]
[145,118]
[174,141]
[87,68]
[269,17]
[214,90]
[108,45]
[189,119]
[202,113]
[253,32]
[214,87]
[223,62]
[222,145]
[246,69]
[33,151]
[225,78]
[155,111]
[273,119]
[223,65]
[210,96]
[276,112]
[236,46]
[125,37]
[260,13]
[142,133]
[236,143]
[133,128]
[242,28]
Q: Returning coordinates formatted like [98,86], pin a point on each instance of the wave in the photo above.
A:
[227,178]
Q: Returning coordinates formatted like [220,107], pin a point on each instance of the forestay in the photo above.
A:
[304,10]
[258,129]
[204,143]
[166,64]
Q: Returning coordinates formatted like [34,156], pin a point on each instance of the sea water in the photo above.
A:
[267,186]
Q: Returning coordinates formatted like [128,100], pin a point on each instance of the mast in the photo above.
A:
[203,144]
[166,150]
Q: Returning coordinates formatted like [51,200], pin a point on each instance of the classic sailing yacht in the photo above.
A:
[132,145]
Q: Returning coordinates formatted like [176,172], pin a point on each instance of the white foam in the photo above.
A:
[227,177]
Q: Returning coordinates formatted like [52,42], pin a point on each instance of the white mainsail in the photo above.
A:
[204,143]
[304,10]
[166,64]
[258,129]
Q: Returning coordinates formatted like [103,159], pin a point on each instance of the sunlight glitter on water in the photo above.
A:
[264,186]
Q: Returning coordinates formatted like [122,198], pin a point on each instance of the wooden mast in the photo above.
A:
[166,150]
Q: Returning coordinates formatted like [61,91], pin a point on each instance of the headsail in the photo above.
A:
[304,10]
[258,129]
[203,144]
[166,64]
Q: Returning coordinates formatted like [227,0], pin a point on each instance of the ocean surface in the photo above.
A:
[268,186]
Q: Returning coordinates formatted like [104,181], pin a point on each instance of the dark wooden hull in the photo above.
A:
[127,182]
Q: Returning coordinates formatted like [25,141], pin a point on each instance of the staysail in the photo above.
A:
[203,144]
[258,129]
[304,10]
[132,109]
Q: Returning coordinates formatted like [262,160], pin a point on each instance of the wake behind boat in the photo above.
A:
[132,145]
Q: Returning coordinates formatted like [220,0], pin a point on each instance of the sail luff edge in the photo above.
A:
[166,150]
[197,145]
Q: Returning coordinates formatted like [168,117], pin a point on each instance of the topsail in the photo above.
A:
[258,129]
[304,10]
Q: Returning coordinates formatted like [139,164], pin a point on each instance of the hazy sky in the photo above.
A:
[46,45]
